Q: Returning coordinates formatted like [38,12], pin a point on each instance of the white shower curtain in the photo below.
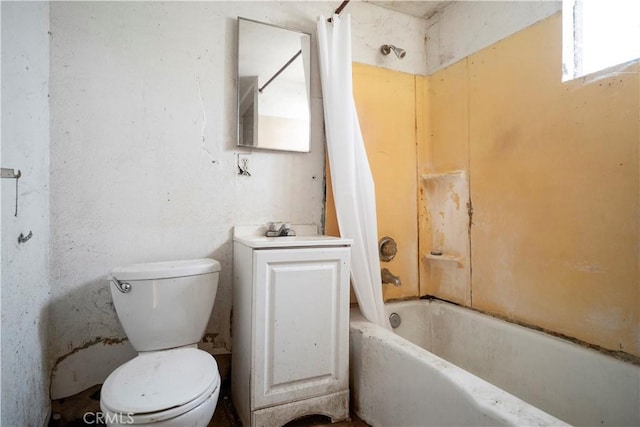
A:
[352,182]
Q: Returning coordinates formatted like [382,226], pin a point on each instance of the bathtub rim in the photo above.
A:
[486,397]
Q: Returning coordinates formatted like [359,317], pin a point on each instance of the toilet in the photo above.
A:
[164,308]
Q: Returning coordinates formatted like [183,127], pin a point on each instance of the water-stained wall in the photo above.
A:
[143,155]
[553,176]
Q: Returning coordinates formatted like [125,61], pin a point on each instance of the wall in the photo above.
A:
[143,155]
[386,104]
[554,182]
[464,27]
[25,267]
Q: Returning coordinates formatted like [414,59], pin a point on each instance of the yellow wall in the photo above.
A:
[553,175]
[386,104]
[446,109]
[551,169]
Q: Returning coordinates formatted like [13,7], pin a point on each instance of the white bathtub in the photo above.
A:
[423,375]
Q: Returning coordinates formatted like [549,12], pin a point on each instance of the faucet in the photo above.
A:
[277,229]
[389,277]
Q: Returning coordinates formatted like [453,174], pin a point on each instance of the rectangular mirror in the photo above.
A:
[274,87]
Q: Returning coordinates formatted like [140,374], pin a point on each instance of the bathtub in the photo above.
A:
[450,366]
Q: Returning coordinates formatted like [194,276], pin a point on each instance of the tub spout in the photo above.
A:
[389,277]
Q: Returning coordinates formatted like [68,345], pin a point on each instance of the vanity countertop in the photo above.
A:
[306,236]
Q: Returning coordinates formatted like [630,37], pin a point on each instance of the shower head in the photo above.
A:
[387,48]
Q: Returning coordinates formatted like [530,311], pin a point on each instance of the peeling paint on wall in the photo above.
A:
[445,250]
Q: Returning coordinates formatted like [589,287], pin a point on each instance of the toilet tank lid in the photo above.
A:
[166,269]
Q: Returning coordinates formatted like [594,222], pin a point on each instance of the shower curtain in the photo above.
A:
[352,182]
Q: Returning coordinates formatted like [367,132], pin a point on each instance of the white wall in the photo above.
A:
[143,155]
[25,266]
[464,27]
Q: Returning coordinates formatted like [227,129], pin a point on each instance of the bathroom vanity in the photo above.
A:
[290,327]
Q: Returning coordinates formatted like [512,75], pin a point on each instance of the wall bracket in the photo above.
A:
[11,173]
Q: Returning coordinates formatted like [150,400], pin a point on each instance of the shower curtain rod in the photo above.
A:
[338,11]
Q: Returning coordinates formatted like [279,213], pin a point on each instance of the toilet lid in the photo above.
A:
[157,381]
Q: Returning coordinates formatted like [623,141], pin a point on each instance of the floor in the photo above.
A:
[79,410]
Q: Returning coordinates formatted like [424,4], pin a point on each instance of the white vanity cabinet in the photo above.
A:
[290,328]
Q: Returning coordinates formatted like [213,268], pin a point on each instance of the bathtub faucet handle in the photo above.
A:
[388,248]
[389,277]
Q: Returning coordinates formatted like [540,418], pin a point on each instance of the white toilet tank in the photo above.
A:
[168,304]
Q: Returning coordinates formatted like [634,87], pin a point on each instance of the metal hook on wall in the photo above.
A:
[11,173]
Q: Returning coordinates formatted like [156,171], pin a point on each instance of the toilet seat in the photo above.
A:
[160,385]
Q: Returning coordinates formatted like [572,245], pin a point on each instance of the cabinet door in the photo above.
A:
[301,324]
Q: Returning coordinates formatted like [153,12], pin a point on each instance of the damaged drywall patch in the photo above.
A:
[214,343]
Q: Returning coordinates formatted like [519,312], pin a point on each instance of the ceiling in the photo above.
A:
[420,9]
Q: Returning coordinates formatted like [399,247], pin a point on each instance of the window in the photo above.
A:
[598,34]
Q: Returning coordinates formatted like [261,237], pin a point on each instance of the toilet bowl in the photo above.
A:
[164,309]
[165,388]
